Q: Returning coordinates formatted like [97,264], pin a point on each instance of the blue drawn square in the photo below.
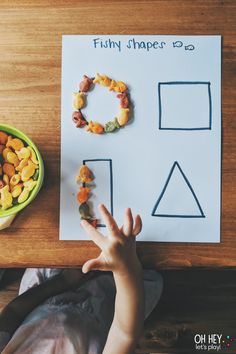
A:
[185,105]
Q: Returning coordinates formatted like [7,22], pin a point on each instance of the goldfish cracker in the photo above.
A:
[30,184]
[33,155]
[124,100]
[8,169]
[16,190]
[111,126]
[84,211]
[79,100]
[15,144]
[2,147]
[23,196]
[83,194]
[85,84]
[6,179]
[3,138]
[95,128]
[6,197]
[79,119]
[5,152]
[27,171]
[12,158]
[123,117]
[102,80]
[85,175]
[21,165]
[118,86]
[15,179]
[112,85]
[23,153]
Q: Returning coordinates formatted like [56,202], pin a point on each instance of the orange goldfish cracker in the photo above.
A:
[23,153]
[83,194]
[5,152]
[15,143]
[102,80]
[27,171]
[22,164]
[85,175]
[8,169]
[12,158]
[15,179]
[6,179]
[3,138]
[95,128]
[118,86]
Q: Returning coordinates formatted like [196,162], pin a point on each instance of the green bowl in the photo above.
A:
[17,133]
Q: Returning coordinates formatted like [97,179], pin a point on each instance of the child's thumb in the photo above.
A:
[92,264]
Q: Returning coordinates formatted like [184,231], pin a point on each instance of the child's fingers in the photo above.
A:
[93,264]
[95,235]
[137,226]
[128,223]
[109,221]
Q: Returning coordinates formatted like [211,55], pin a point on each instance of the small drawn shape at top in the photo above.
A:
[177,44]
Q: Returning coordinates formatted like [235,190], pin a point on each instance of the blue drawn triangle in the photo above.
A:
[177,199]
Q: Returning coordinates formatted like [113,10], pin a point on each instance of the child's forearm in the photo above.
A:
[16,311]
[129,304]
[129,312]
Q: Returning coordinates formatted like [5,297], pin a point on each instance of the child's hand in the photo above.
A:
[118,249]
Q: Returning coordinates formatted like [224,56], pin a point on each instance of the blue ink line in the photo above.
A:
[177,44]
[185,83]
[210,105]
[111,183]
[189,47]
[159,100]
[176,164]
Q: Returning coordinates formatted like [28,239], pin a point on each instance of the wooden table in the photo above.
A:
[30,72]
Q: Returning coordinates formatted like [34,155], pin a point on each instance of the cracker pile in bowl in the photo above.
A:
[19,170]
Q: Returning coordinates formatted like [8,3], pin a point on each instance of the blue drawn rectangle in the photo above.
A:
[110,178]
[185,105]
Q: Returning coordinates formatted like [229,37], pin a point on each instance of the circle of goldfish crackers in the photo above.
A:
[19,171]
[80,99]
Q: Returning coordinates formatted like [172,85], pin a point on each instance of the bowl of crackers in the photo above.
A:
[21,170]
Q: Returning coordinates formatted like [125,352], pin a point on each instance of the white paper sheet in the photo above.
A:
[166,163]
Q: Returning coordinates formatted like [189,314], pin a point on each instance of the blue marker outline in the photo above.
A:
[185,83]
[111,183]
[176,164]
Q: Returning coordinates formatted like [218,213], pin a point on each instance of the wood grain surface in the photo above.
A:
[30,73]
